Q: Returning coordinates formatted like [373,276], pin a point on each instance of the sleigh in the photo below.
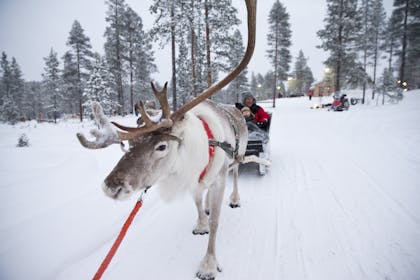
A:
[258,144]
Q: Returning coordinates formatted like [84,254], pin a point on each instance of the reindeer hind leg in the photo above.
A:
[234,196]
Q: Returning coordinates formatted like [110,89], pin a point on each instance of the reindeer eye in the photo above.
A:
[161,147]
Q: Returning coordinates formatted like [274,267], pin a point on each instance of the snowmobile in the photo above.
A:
[340,103]
[258,143]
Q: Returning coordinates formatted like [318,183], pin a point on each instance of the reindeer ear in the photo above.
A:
[165,86]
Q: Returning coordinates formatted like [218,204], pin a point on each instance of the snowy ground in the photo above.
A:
[341,201]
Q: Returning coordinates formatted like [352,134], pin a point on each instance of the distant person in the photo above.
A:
[261,117]
[310,93]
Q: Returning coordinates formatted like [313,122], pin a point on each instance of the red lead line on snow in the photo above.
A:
[119,239]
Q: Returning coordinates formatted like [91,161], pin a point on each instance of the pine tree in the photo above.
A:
[70,84]
[6,76]
[240,83]
[183,64]
[342,26]
[32,106]
[17,84]
[390,40]
[220,21]
[115,47]
[81,51]
[302,75]
[387,83]
[167,25]
[378,28]
[139,55]
[278,40]
[373,26]
[99,89]
[12,90]
[52,83]
[407,15]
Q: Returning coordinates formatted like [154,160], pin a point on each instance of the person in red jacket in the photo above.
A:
[261,117]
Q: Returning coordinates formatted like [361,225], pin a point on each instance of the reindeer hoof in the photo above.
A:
[234,205]
[207,211]
[200,232]
[205,276]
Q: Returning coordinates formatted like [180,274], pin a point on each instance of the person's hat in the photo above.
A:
[246,95]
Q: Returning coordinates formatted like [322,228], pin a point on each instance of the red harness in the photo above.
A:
[212,149]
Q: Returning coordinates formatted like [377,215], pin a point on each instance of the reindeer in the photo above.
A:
[191,149]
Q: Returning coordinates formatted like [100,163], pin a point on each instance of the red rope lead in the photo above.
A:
[117,242]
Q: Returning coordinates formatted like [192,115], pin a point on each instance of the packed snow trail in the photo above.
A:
[340,201]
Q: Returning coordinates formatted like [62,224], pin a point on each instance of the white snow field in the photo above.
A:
[340,201]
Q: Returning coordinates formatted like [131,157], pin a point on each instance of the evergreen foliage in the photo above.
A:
[339,37]
[11,90]
[52,85]
[279,42]
[302,76]
[407,27]
[80,49]
[98,89]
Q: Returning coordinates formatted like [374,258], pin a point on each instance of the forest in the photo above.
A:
[205,42]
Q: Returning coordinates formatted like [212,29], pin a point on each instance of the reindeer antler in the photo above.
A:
[149,125]
[105,136]
[168,120]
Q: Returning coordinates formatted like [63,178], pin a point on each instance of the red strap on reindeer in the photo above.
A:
[211,148]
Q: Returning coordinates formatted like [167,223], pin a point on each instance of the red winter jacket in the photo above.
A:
[260,116]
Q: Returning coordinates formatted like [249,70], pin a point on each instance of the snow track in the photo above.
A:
[340,201]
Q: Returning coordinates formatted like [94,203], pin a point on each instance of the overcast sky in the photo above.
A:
[30,28]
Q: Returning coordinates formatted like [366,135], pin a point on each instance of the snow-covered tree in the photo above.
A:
[240,83]
[166,28]
[378,28]
[183,64]
[17,84]
[303,76]
[390,42]
[82,54]
[5,75]
[368,43]
[139,55]
[342,27]
[407,15]
[52,84]
[114,45]
[32,105]
[99,89]
[279,42]
[12,90]
[387,83]
[70,84]
[220,19]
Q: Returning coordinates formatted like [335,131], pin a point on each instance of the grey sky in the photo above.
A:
[29,29]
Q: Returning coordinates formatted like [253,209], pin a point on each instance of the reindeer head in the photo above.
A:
[154,145]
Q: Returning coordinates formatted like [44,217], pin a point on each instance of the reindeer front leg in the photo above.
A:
[202,226]
[209,265]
